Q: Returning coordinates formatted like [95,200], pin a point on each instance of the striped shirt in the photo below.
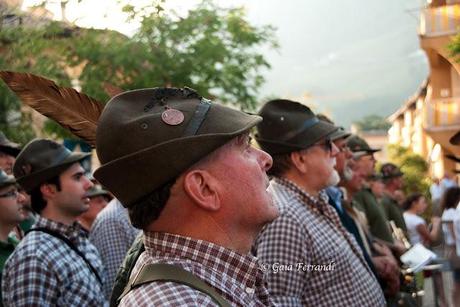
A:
[113,235]
[237,278]
[310,258]
[45,271]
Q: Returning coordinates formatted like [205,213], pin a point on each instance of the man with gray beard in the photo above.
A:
[308,233]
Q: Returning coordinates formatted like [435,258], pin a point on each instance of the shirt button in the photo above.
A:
[250,290]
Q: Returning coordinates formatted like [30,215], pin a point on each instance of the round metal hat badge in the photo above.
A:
[172,117]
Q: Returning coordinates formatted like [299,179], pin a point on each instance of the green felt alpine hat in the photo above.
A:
[290,126]
[357,144]
[43,159]
[390,170]
[148,137]
[8,147]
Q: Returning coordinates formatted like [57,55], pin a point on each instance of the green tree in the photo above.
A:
[212,49]
[372,122]
[414,167]
[454,46]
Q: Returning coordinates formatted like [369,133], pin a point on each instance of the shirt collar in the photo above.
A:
[70,231]
[322,196]
[243,268]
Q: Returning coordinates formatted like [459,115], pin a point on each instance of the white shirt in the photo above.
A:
[448,216]
[447,183]
[436,191]
[457,229]
[412,221]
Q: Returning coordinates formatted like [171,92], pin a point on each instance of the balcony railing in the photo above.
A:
[442,113]
[443,20]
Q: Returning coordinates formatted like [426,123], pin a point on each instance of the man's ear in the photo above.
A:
[299,161]
[203,189]
[48,190]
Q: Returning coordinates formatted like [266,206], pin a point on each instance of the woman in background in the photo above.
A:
[418,231]
[417,228]
[449,204]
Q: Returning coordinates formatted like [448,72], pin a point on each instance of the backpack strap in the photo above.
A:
[168,272]
[71,245]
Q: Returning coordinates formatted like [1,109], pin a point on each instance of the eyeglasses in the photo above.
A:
[13,193]
[327,145]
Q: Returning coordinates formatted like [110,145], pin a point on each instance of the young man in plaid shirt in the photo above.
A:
[55,264]
[310,258]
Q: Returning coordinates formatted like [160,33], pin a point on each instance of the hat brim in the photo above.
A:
[359,154]
[455,139]
[10,150]
[32,180]
[98,193]
[339,134]
[307,138]
[156,165]
[369,151]
[398,174]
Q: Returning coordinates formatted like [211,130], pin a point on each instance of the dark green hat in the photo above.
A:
[289,126]
[340,134]
[6,180]
[148,137]
[355,143]
[390,170]
[9,147]
[97,191]
[41,160]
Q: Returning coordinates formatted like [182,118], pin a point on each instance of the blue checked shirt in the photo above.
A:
[113,235]
[45,271]
[310,259]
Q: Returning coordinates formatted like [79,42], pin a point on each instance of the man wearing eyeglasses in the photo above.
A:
[10,215]
[310,258]
[55,264]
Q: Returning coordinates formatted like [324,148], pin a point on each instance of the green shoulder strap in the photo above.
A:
[168,272]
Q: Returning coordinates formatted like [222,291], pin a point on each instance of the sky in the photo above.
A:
[346,58]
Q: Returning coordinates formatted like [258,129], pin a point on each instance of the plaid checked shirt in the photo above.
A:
[113,235]
[237,278]
[45,271]
[310,258]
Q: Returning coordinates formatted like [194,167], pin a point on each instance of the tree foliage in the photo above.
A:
[372,122]
[212,49]
[414,167]
[454,46]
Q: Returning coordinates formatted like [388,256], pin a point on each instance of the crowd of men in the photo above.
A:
[300,220]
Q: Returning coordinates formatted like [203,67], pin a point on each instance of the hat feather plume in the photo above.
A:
[75,111]
[111,89]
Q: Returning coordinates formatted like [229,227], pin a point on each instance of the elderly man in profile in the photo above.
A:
[195,185]
[322,264]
